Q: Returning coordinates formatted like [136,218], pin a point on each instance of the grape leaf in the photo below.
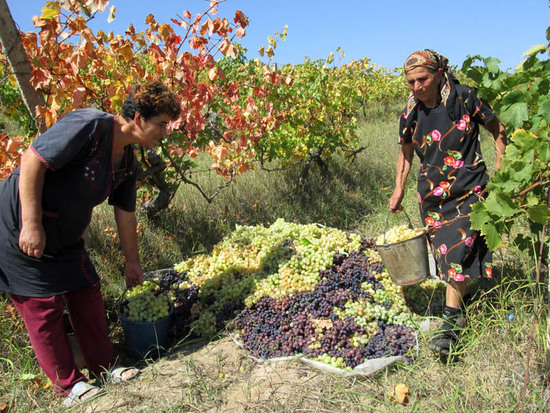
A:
[479,216]
[51,10]
[515,114]
[539,213]
[534,50]
[492,236]
[500,205]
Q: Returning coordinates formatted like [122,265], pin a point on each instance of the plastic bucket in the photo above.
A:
[145,339]
[406,261]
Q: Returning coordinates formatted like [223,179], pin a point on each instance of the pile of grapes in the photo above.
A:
[292,289]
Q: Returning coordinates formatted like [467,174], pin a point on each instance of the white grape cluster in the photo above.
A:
[398,233]
[249,250]
[143,305]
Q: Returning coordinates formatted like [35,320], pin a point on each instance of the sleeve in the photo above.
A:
[124,194]
[405,130]
[65,140]
[478,108]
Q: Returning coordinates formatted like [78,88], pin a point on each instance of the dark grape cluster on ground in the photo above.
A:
[305,323]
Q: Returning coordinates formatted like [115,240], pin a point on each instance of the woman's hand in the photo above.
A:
[32,240]
[133,274]
[395,200]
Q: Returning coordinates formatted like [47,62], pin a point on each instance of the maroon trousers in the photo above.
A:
[43,319]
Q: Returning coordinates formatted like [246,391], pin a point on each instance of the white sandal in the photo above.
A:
[79,391]
[116,374]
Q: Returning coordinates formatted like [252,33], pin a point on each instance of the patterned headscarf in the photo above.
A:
[432,61]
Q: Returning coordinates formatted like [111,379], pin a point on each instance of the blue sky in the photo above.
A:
[386,31]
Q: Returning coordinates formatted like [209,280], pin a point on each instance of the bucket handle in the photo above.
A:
[386,223]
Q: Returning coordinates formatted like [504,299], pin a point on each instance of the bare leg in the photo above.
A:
[455,293]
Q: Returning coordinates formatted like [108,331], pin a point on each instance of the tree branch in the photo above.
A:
[181,174]
[17,57]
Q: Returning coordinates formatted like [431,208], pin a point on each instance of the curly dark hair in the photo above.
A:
[151,99]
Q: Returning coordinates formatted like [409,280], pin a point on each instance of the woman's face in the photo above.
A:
[153,129]
[424,84]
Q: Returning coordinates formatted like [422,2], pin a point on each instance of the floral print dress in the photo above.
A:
[452,176]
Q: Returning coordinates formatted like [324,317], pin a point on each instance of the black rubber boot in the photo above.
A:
[448,334]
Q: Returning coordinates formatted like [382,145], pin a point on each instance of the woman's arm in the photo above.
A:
[127,232]
[404,163]
[32,239]
[497,129]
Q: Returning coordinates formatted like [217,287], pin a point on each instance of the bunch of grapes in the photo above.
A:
[398,233]
[145,303]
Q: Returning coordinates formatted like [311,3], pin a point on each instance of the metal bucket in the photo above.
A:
[406,261]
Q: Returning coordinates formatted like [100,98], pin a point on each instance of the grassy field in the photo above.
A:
[502,367]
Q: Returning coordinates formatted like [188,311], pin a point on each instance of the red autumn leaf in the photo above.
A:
[79,96]
[241,19]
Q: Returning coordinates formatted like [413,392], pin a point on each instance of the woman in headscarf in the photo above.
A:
[441,124]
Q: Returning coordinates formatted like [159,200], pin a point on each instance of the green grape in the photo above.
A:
[398,233]
[144,305]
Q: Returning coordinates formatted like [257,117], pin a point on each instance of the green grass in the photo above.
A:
[490,375]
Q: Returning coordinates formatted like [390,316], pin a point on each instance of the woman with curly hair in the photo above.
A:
[46,205]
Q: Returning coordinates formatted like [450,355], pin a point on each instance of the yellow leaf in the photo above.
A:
[401,393]
[112,14]
[116,102]
[51,10]
[126,52]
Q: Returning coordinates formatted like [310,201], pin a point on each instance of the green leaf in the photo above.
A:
[492,64]
[544,108]
[524,140]
[515,114]
[500,205]
[539,213]
[522,169]
[540,48]
[544,151]
[479,216]
[492,236]
[27,376]
[51,10]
